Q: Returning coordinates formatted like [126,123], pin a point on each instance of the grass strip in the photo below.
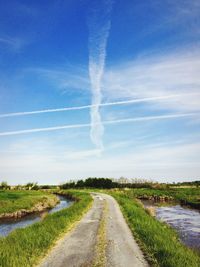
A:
[159,241]
[100,259]
[25,247]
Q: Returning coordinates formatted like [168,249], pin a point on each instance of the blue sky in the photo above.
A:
[140,57]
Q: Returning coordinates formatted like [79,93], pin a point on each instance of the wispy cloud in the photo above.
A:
[176,163]
[128,120]
[77,155]
[99,26]
[157,75]
[180,17]
[13,43]
[66,77]
[148,76]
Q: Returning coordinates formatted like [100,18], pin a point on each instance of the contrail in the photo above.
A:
[99,27]
[131,101]
[42,111]
[72,126]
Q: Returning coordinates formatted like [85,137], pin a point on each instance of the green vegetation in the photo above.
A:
[142,188]
[91,183]
[159,241]
[12,201]
[24,247]
[107,183]
[193,183]
[4,185]
[188,196]
[161,244]
[100,257]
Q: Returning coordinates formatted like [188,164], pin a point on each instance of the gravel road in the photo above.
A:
[78,248]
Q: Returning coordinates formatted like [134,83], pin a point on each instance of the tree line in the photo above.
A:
[105,183]
[102,183]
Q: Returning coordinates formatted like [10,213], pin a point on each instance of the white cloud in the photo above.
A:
[163,162]
[77,155]
[157,76]
[148,76]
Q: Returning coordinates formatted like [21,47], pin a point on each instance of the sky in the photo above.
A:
[99,88]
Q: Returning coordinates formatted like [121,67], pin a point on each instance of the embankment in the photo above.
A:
[45,203]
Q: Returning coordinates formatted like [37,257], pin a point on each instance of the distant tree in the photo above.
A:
[80,183]
[99,183]
[35,187]
[31,186]
[28,186]
[67,185]
[46,186]
[196,183]
[4,185]
[18,187]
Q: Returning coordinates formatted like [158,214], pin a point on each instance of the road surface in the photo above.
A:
[79,247]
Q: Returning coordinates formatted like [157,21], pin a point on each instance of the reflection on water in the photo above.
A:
[7,226]
[185,220]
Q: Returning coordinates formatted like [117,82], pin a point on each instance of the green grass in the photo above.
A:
[189,196]
[101,244]
[24,247]
[11,201]
[159,241]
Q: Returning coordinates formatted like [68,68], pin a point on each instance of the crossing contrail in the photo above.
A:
[99,27]
[72,126]
[130,101]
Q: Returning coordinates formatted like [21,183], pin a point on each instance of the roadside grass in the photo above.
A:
[100,257]
[188,196]
[26,247]
[11,201]
[159,242]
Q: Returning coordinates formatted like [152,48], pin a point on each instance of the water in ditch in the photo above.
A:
[8,226]
[185,220]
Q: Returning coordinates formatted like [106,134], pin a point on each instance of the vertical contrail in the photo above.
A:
[99,26]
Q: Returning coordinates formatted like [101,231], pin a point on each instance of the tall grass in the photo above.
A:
[159,242]
[24,247]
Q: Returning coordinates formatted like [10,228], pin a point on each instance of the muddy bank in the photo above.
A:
[43,205]
[156,198]
[67,195]
[194,205]
[168,199]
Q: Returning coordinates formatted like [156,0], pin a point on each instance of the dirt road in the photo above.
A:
[79,247]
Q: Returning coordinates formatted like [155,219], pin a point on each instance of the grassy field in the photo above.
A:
[188,196]
[25,247]
[159,242]
[11,201]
